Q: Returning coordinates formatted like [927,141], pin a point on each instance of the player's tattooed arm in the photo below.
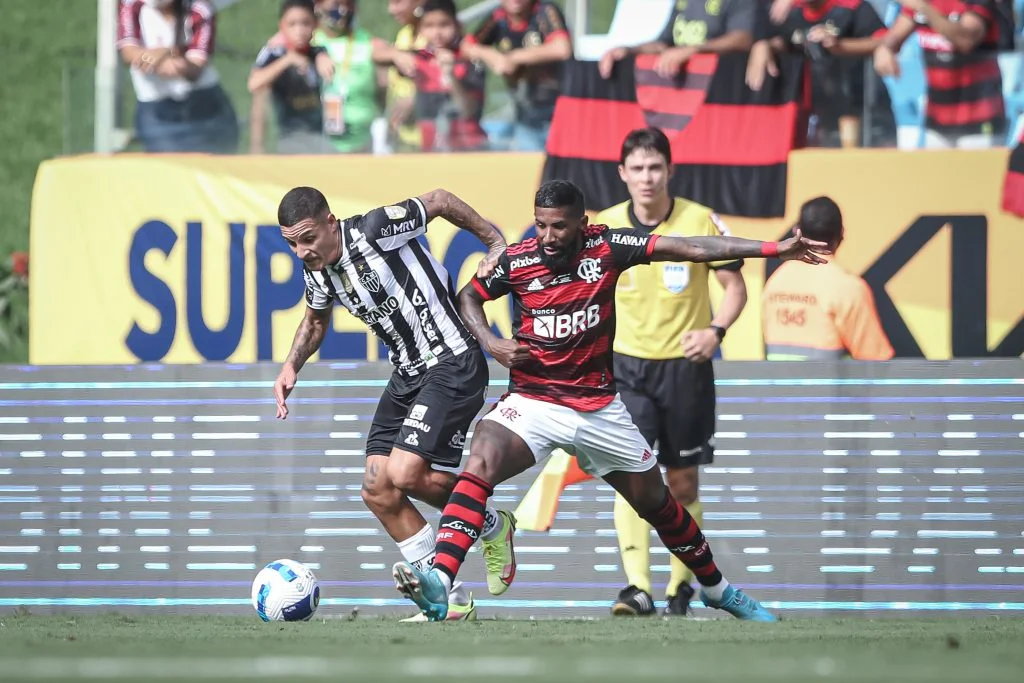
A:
[308,337]
[704,249]
[307,340]
[460,214]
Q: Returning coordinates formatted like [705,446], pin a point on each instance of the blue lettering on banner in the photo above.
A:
[214,344]
[152,346]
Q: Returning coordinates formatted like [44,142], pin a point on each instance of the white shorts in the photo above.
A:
[603,441]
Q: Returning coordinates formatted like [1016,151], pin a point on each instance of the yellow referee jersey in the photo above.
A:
[656,304]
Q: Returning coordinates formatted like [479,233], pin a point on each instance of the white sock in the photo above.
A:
[418,549]
[458,594]
[492,524]
[716,592]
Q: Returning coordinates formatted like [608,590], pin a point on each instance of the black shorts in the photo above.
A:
[673,404]
[430,414]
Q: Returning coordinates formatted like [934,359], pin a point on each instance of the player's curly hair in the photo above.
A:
[556,194]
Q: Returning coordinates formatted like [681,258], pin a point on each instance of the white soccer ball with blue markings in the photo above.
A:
[285,590]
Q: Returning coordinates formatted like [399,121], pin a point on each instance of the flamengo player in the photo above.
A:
[562,392]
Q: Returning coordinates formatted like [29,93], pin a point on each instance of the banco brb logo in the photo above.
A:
[567,324]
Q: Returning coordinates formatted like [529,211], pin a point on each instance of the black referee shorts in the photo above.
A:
[672,402]
[430,414]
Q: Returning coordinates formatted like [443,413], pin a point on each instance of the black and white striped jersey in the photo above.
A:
[388,279]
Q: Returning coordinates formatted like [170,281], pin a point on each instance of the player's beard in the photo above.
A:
[559,262]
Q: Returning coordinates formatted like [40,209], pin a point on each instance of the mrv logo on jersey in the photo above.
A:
[562,326]
[398,228]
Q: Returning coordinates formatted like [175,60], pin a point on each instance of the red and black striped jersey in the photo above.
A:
[449,102]
[567,318]
[535,87]
[964,90]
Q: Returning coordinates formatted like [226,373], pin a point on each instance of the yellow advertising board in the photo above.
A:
[179,259]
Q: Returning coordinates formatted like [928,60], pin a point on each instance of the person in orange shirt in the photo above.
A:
[825,312]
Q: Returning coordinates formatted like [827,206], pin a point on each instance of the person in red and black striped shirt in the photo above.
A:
[965,88]
[525,41]
[449,87]
[562,392]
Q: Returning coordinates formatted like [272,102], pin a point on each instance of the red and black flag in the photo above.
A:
[1013,186]
[729,143]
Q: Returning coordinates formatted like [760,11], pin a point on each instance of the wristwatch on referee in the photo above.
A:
[719,330]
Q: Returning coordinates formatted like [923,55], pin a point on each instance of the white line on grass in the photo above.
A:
[111,668]
[221,668]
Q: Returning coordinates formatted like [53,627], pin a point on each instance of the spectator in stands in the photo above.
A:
[401,91]
[714,26]
[965,88]
[525,41]
[824,312]
[291,70]
[181,105]
[837,36]
[352,98]
[1007,25]
[449,87]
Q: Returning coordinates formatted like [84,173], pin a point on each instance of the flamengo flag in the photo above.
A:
[729,143]
[1013,186]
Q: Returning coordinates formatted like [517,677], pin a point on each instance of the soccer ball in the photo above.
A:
[285,590]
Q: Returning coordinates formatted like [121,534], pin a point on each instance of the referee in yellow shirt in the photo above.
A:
[665,338]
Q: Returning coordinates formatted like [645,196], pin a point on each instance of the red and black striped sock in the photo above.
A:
[684,539]
[461,522]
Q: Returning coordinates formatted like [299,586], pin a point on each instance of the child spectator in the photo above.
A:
[285,68]
[449,88]
[526,42]
[401,90]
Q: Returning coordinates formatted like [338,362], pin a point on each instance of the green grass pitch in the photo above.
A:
[199,648]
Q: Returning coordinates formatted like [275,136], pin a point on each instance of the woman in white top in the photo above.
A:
[181,105]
